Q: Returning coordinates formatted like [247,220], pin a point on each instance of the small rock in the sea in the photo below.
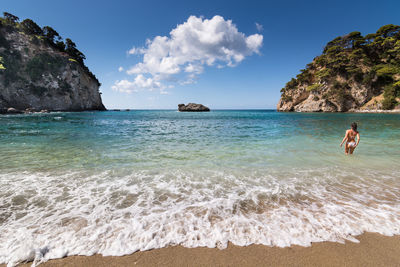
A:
[193,107]
[29,110]
[14,111]
[44,111]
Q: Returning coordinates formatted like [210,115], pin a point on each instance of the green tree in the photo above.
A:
[73,51]
[10,18]
[335,42]
[50,34]
[60,46]
[30,27]
[355,40]
[369,38]
[388,30]
[389,96]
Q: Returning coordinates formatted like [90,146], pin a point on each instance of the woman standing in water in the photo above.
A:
[350,136]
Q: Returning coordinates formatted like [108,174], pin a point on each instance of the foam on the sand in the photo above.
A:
[45,216]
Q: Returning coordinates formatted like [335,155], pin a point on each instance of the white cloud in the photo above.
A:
[135,51]
[259,27]
[195,68]
[120,69]
[140,82]
[188,49]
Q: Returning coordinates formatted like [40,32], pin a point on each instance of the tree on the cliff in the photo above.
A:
[10,18]
[349,41]
[60,46]
[355,40]
[30,27]
[50,34]
[388,30]
[390,94]
[73,51]
[372,61]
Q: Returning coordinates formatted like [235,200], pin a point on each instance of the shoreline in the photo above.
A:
[372,250]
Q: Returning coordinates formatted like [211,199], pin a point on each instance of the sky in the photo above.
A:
[224,54]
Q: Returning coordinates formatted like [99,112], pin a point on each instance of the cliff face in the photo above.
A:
[354,73]
[37,75]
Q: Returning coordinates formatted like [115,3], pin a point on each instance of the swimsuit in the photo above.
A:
[351,144]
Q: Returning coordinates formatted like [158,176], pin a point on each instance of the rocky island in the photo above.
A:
[41,72]
[354,73]
[192,107]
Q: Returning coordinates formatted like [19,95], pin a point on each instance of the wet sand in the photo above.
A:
[373,250]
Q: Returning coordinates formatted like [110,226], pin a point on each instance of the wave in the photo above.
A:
[51,215]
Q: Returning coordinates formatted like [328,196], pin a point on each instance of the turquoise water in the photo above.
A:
[117,182]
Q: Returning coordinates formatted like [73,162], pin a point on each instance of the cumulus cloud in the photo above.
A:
[135,50]
[140,82]
[259,27]
[189,48]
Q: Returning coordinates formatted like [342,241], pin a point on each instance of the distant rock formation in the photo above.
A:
[39,73]
[192,107]
[354,73]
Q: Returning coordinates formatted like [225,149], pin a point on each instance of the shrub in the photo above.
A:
[369,77]
[304,77]
[292,83]
[1,64]
[321,60]
[390,93]
[389,97]
[324,73]
[334,50]
[387,70]
[287,98]
[314,87]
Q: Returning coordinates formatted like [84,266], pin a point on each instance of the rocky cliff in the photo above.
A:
[36,72]
[354,73]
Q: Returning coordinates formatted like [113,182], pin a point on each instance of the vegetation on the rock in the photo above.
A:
[41,71]
[46,34]
[371,61]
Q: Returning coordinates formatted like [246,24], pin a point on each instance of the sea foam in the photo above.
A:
[51,215]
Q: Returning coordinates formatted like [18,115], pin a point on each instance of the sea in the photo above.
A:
[113,183]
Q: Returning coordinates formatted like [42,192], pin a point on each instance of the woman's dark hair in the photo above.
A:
[354,126]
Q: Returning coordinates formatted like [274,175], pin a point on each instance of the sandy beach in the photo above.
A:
[373,250]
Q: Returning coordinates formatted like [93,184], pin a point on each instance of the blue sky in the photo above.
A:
[293,33]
